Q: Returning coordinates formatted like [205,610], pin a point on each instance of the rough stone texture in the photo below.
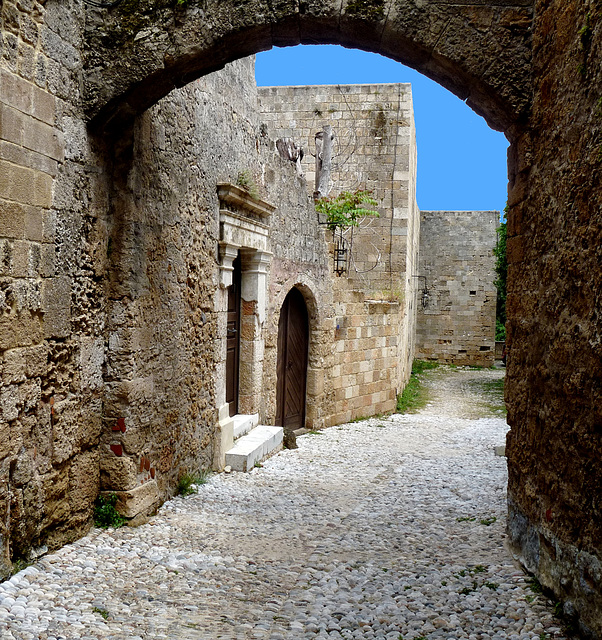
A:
[456,322]
[140,51]
[51,312]
[554,301]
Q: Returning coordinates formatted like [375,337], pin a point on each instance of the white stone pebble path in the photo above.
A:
[386,528]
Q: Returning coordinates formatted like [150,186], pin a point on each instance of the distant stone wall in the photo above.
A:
[375,149]
[456,323]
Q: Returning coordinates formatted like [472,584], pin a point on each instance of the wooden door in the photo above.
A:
[233,339]
[293,346]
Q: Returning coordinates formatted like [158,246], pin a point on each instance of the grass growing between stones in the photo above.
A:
[189,482]
[414,396]
[492,392]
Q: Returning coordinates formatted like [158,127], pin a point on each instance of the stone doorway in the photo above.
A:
[293,350]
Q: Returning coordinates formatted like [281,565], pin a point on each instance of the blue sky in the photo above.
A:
[461,161]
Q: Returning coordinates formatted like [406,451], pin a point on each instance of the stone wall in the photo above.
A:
[456,319]
[528,66]
[175,234]
[375,149]
[554,327]
[52,198]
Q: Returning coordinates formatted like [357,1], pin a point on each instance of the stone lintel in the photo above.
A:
[241,198]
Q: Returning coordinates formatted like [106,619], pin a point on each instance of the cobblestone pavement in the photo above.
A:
[386,528]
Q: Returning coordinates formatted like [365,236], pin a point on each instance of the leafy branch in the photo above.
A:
[347,208]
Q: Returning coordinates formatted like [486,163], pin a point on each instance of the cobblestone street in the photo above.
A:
[391,527]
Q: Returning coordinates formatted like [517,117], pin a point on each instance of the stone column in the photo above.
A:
[255,266]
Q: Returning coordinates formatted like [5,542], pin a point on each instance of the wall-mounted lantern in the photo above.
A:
[340,255]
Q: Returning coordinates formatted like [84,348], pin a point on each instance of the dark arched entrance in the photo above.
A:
[293,349]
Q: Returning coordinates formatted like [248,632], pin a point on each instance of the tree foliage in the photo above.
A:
[347,208]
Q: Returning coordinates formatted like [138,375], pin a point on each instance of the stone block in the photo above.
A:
[141,500]
[84,480]
[55,488]
[12,125]
[56,307]
[15,91]
[12,219]
[14,366]
[118,473]
[43,105]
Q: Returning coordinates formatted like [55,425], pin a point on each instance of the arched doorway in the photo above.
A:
[293,349]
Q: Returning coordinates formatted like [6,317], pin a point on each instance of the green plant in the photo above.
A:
[488,521]
[468,590]
[103,612]
[413,395]
[478,569]
[188,483]
[466,519]
[245,181]
[105,513]
[346,209]
[408,399]
[19,564]
[492,585]
[535,585]
[420,366]
[585,33]
[258,465]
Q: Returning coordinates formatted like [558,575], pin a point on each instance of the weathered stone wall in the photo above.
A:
[142,49]
[554,393]
[52,198]
[374,148]
[456,323]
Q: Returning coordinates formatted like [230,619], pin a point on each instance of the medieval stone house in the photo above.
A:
[290,336]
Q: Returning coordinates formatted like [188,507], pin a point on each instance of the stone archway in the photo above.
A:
[139,51]
[529,66]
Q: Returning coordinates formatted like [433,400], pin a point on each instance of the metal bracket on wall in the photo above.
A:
[425,293]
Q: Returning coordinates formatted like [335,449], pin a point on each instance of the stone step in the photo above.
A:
[254,447]
[244,423]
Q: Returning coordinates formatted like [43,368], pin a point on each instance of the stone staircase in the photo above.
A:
[252,442]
